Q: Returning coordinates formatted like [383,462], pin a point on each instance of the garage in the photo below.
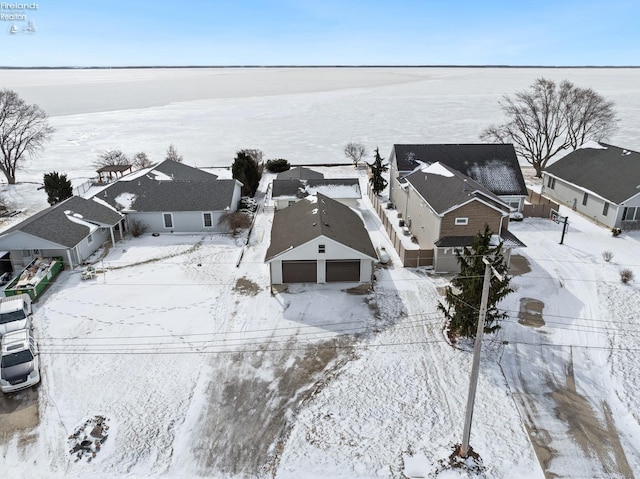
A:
[299,271]
[341,270]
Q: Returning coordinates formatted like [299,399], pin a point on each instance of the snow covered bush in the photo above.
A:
[626,275]
[607,256]
[137,228]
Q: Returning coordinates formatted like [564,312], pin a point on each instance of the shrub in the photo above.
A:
[248,204]
[626,275]
[278,165]
[607,256]
[236,221]
[137,228]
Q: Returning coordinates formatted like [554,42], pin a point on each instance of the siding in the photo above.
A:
[478,214]
[572,197]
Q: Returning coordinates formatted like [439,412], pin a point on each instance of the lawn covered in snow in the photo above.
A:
[200,371]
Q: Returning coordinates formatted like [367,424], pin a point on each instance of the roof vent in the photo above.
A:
[464,185]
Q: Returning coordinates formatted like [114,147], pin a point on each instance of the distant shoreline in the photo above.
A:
[141,67]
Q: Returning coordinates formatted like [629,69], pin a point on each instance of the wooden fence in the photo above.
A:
[410,258]
[539,207]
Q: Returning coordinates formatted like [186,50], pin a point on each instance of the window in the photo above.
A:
[605,209]
[321,248]
[630,214]
[551,182]
[462,221]
[90,238]
[585,198]
[168,220]
[208,220]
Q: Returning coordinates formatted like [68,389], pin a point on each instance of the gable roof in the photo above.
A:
[169,186]
[180,171]
[314,217]
[609,171]
[299,173]
[445,188]
[495,166]
[66,222]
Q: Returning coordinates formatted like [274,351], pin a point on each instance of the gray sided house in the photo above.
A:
[285,192]
[174,198]
[72,229]
[319,240]
[600,181]
[444,210]
[494,166]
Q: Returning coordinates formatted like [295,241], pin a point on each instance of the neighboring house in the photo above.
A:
[173,197]
[72,229]
[285,192]
[299,173]
[600,181]
[494,166]
[444,210]
[319,240]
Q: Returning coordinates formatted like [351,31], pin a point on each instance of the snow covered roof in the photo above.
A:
[337,188]
[495,166]
[68,222]
[318,216]
[445,188]
[606,170]
[169,186]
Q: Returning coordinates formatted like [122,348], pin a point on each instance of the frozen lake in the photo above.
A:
[305,115]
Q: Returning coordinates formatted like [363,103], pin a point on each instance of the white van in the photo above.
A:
[20,362]
[15,313]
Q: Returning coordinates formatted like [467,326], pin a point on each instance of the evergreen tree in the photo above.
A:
[57,187]
[247,171]
[378,183]
[464,295]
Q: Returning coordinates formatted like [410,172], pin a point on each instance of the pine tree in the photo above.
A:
[246,171]
[463,296]
[378,183]
[57,187]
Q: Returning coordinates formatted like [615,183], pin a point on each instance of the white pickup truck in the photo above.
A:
[15,313]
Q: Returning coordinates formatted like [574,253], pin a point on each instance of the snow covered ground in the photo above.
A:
[201,372]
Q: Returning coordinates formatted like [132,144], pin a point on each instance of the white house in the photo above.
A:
[600,181]
[319,240]
[173,197]
[72,229]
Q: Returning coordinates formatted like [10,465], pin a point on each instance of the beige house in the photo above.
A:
[443,210]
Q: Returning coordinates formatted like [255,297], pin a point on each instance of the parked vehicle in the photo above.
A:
[20,362]
[15,313]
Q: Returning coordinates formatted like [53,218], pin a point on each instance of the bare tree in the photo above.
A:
[23,131]
[110,158]
[355,152]
[549,118]
[173,155]
[141,160]
[255,154]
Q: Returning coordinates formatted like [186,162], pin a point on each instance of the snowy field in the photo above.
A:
[199,371]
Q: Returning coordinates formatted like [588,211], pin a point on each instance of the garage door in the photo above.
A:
[299,272]
[343,270]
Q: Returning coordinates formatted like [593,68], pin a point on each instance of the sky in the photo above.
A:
[319,32]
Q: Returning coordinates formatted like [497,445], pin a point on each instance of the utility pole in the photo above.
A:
[473,381]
